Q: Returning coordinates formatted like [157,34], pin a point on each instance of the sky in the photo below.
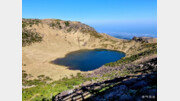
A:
[106,16]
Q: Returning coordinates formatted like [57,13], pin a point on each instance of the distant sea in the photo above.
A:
[128,31]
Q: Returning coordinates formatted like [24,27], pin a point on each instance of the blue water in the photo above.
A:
[87,60]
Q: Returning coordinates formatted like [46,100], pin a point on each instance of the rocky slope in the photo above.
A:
[47,39]
[145,39]
[138,85]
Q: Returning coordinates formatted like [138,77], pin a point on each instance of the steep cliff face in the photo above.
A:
[47,39]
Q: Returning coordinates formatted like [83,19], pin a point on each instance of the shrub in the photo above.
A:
[69,29]
[24,25]
[52,25]
[66,23]
[29,37]
[24,75]
[92,33]
[30,22]
[56,24]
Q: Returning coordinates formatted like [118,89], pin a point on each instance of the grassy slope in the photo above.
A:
[46,91]
[150,49]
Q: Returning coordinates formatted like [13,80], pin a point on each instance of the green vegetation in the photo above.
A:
[56,24]
[95,34]
[42,79]
[29,37]
[30,22]
[52,25]
[149,45]
[57,20]
[115,73]
[92,33]
[66,23]
[69,29]
[112,75]
[113,41]
[151,50]
[44,91]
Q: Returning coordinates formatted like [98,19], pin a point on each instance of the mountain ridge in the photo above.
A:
[61,37]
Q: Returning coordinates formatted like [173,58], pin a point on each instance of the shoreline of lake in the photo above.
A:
[75,57]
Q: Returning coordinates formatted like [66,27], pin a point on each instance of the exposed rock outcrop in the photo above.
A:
[145,39]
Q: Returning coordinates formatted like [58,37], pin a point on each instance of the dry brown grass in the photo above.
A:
[57,43]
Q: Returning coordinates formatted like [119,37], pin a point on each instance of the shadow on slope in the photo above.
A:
[128,88]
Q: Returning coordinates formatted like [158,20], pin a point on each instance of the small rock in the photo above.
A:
[141,65]
[86,83]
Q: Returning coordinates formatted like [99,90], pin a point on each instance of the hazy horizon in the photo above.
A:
[118,17]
